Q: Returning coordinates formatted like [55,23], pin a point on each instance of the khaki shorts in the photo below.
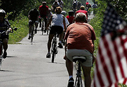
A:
[77,52]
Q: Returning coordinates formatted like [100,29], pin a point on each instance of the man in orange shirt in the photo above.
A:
[79,38]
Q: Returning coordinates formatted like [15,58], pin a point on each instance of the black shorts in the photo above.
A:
[31,22]
[56,29]
[4,36]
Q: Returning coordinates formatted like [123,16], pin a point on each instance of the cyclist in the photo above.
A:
[88,5]
[54,5]
[4,26]
[56,27]
[44,10]
[33,19]
[74,5]
[80,38]
[70,17]
[82,10]
[61,3]
[66,23]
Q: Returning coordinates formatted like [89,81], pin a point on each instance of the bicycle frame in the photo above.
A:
[78,59]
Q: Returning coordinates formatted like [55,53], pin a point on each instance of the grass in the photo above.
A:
[22,25]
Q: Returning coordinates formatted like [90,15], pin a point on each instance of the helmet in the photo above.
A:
[44,2]
[63,12]
[2,12]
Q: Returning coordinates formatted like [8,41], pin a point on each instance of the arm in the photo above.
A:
[64,23]
[49,22]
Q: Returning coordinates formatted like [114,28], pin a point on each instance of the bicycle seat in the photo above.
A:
[79,58]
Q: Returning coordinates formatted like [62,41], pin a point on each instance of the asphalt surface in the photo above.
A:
[27,66]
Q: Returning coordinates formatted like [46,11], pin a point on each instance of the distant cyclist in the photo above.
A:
[33,19]
[74,5]
[79,38]
[66,23]
[4,26]
[70,17]
[82,10]
[61,4]
[54,5]
[88,5]
[44,10]
[57,20]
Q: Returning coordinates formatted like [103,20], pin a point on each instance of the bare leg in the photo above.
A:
[5,44]
[69,66]
[49,42]
[86,72]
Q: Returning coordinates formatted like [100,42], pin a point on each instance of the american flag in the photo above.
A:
[111,64]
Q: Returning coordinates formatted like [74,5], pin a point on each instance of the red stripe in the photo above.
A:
[109,52]
[98,72]
[125,81]
[103,61]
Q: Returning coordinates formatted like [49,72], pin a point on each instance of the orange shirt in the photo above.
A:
[79,36]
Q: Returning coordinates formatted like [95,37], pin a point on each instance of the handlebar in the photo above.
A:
[7,32]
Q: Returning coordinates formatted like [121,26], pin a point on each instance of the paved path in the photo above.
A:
[27,66]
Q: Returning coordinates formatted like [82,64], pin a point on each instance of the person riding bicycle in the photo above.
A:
[74,5]
[88,5]
[54,5]
[44,10]
[61,4]
[4,26]
[66,23]
[82,10]
[57,20]
[79,38]
[70,17]
[33,19]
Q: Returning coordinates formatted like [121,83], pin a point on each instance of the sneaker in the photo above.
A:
[48,55]
[45,31]
[60,45]
[29,37]
[5,55]
[71,82]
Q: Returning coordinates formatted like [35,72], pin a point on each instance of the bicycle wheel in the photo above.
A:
[54,49]
[43,26]
[78,82]
[32,34]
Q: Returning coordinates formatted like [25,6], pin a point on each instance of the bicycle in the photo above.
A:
[1,47]
[42,25]
[32,33]
[78,80]
[54,50]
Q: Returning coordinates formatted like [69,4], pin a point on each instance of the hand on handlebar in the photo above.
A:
[8,31]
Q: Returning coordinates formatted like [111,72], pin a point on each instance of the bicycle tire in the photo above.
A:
[53,57]
[42,29]
[0,63]
[78,82]
[32,34]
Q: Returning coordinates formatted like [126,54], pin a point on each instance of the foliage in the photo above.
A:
[22,31]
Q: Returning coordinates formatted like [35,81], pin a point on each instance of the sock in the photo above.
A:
[70,77]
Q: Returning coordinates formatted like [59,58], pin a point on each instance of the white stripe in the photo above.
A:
[100,65]
[112,49]
[120,51]
[96,78]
